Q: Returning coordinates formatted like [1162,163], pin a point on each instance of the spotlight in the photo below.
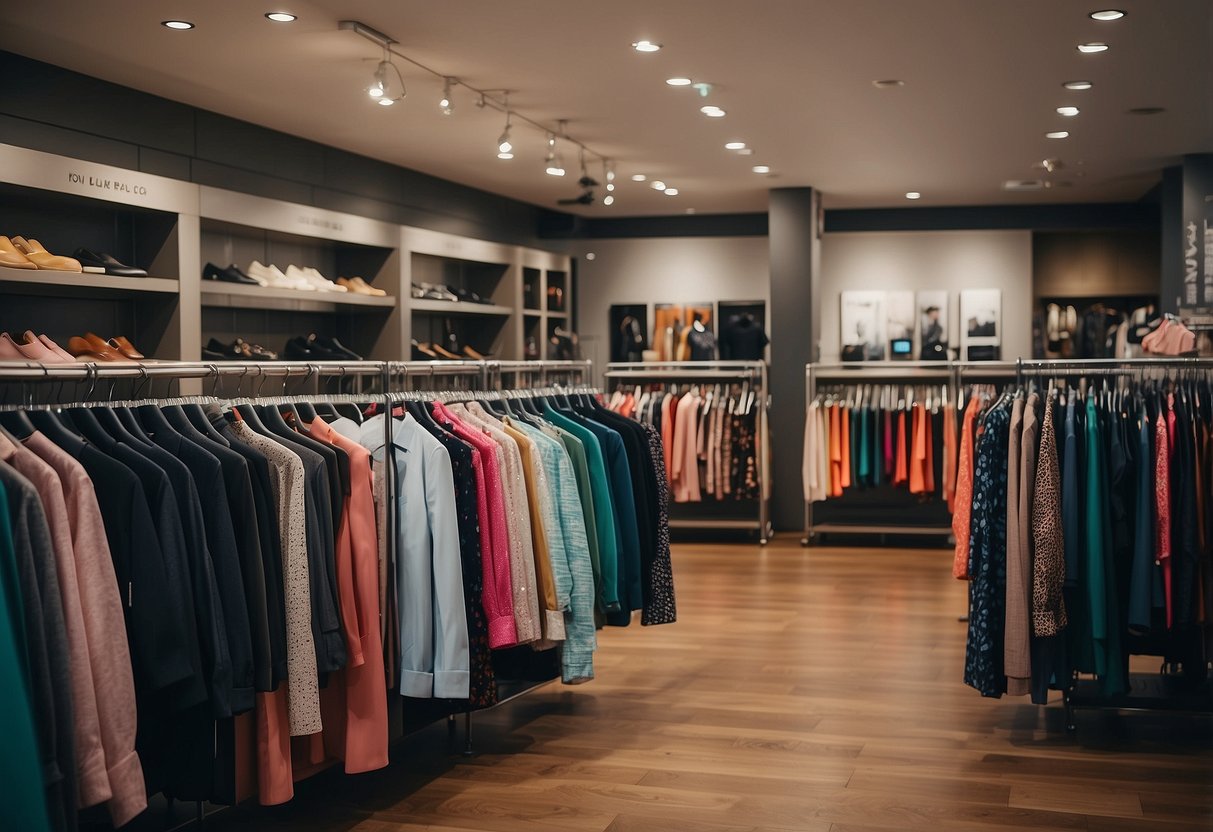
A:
[657,185]
[280,17]
[180,25]
[608,200]
[646,46]
[553,161]
[504,145]
[445,104]
[381,87]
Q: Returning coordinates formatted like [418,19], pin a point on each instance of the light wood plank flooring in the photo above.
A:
[811,690]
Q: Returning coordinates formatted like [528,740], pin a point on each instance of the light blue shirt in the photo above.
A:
[434,656]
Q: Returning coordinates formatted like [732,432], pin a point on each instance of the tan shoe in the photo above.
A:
[12,258]
[349,286]
[359,285]
[43,258]
[92,348]
[124,346]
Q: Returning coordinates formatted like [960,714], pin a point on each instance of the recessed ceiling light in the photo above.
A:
[1107,14]
[734,146]
[646,46]
[1078,85]
[638,177]
[888,84]
[1058,134]
[761,168]
[385,101]
[502,154]
[1089,48]
[1068,112]
[671,192]
[177,24]
[657,185]
[913,195]
[609,199]
[678,82]
[1146,111]
[281,17]
[712,111]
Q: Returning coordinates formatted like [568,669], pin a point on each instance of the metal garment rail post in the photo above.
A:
[753,372]
[871,372]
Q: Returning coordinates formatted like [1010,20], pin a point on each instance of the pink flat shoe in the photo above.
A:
[8,350]
[64,355]
[36,351]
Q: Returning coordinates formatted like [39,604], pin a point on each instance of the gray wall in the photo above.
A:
[663,270]
[951,260]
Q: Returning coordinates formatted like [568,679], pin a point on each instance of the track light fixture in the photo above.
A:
[608,173]
[446,105]
[388,87]
[505,147]
[381,88]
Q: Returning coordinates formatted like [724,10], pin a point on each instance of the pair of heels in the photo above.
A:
[20,253]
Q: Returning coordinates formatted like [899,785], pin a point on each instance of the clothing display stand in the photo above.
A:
[1166,690]
[705,372]
[872,372]
[33,379]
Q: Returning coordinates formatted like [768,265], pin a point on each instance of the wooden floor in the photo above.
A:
[809,690]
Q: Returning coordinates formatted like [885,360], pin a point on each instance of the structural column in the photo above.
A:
[795,246]
[1187,235]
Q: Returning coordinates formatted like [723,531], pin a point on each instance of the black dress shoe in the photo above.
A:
[107,262]
[333,346]
[232,274]
[466,295]
[301,349]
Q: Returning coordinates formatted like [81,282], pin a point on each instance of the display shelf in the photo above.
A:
[79,284]
[446,307]
[243,296]
[532,313]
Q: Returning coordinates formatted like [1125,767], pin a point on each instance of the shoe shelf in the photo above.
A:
[446,307]
[239,296]
[77,284]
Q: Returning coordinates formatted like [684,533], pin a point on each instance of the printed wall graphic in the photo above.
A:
[981,324]
[864,326]
[933,325]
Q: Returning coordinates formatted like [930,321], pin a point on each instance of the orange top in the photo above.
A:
[835,453]
[928,463]
[901,470]
[963,503]
[917,480]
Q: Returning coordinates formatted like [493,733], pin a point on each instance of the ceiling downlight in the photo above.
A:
[179,25]
[1107,15]
[1092,48]
[281,17]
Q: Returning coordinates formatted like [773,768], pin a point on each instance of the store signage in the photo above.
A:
[49,172]
[321,222]
[103,183]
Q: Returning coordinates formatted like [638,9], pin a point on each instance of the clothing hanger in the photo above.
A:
[51,425]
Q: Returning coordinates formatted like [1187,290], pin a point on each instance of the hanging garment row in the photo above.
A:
[1082,525]
[174,570]
[868,435]
[710,440]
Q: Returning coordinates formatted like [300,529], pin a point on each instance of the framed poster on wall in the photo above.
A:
[933,325]
[899,324]
[863,326]
[981,324]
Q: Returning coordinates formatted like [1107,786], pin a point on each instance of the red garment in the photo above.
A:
[928,465]
[1164,447]
[364,721]
[887,417]
[963,503]
[845,446]
[949,456]
[497,595]
[901,469]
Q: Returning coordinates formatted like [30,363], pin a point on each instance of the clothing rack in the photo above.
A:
[906,373]
[752,372]
[390,378]
[1147,692]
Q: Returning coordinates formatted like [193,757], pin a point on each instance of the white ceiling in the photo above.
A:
[982,82]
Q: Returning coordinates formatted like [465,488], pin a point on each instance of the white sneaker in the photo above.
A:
[321,282]
[275,279]
[298,279]
[258,273]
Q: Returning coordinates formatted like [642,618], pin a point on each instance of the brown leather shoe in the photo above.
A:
[92,348]
[122,345]
[43,258]
[12,258]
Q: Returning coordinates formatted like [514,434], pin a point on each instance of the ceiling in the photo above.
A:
[982,82]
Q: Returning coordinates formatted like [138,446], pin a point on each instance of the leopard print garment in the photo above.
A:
[1049,566]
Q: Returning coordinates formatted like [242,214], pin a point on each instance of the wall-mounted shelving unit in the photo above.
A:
[173,228]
